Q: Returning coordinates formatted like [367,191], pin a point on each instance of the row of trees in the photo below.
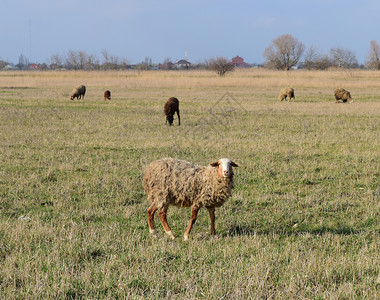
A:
[81,60]
[286,52]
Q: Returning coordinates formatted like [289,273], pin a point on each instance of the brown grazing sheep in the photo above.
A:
[78,92]
[172,106]
[107,95]
[177,182]
[342,94]
[287,93]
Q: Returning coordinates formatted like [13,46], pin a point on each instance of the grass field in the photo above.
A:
[303,221]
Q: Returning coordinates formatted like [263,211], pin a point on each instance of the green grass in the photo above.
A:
[302,223]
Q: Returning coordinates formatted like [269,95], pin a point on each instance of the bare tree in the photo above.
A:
[56,60]
[311,55]
[82,59]
[106,55]
[3,64]
[373,58]
[91,62]
[220,64]
[343,58]
[115,60]
[323,62]
[284,52]
[315,60]
[23,62]
[124,63]
[110,62]
[71,60]
[146,64]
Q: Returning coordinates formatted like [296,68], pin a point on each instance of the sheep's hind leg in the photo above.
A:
[211,211]
[193,218]
[162,215]
[151,211]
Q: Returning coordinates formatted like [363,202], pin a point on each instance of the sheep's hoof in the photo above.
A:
[171,235]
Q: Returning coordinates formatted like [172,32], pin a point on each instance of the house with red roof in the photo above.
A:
[239,62]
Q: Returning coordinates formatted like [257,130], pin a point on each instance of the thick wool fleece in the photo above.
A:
[342,94]
[78,91]
[171,106]
[177,182]
[286,92]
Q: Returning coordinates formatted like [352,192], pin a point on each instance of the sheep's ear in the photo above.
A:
[214,164]
[234,164]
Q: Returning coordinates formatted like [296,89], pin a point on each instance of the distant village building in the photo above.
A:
[183,64]
[10,67]
[167,65]
[34,67]
[170,65]
[239,62]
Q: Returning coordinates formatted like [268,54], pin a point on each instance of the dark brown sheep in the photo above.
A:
[172,106]
[107,95]
[342,94]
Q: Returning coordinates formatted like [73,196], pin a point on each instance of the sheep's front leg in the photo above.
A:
[193,218]
[162,215]
[151,211]
[179,118]
[211,211]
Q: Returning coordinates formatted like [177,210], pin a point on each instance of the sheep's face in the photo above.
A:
[224,166]
[170,119]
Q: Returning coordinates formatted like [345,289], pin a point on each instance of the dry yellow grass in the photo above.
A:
[258,78]
[302,222]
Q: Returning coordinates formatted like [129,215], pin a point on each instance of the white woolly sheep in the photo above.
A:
[170,108]
[287,93]
[78,92]
[177,182]
[342,94]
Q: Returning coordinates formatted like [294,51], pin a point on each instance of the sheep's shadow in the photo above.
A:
[247,230]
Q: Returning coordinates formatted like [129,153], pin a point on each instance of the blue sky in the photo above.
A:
[162,29]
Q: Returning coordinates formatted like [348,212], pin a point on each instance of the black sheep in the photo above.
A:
[107,95]
[172,106]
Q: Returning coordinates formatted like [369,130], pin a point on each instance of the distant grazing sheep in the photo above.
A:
[177,182]
[78,92]
[342,94]
[172,106]
[107,95]
[287,93]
